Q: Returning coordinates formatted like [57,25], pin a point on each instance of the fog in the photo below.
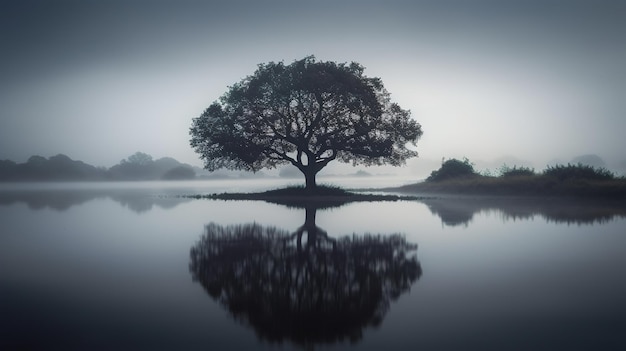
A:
[516,82]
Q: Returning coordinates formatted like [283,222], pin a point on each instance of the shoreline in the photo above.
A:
[520,187]
[413,192]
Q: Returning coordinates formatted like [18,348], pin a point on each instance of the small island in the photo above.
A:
[321,197]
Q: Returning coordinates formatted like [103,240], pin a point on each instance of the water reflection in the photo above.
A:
[305,287]
[137,200]
[461,211]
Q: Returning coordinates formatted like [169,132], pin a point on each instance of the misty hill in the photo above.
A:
[139,166]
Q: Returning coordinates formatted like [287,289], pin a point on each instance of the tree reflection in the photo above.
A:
[304,288]
[138,200]
[461,211]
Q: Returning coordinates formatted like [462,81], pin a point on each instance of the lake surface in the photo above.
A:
[128,266]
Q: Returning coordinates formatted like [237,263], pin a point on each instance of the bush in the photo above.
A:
[452,168]
[578,172]
[506,171]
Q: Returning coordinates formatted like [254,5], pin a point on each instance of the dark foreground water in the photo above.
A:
[131,267]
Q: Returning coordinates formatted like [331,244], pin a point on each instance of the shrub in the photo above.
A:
[506,171]
[452,168]
[578,172]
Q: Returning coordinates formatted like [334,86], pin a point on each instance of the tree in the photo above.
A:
[308,113]
[139,158]
[452,168]
[138,166]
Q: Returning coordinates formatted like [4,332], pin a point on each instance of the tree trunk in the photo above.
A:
[309,177]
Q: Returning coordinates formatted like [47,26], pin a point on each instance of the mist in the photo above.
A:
[527,83]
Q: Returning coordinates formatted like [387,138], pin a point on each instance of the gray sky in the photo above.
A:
[99,80]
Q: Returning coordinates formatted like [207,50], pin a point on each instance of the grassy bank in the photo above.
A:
[580,181]
[531,185]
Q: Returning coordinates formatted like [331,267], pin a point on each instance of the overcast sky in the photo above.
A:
[99,80]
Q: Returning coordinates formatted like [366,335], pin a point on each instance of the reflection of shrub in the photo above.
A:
[452,168]
[507,171]
[578,172]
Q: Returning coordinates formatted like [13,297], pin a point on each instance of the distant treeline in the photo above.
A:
[139,166]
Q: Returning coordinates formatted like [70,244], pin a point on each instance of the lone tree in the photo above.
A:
[307,113]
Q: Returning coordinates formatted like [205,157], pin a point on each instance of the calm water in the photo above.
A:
[129,266]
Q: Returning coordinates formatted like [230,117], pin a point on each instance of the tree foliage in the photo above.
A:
[515,171]
[138,158]
[308,114]
[578,171]
[452,168]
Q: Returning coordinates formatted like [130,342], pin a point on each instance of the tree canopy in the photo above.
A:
[452,168]
[307,113]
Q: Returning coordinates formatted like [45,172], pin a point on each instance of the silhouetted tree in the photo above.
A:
[138,166]
[320,290]
[55,168]
[452,168]
[308,113]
